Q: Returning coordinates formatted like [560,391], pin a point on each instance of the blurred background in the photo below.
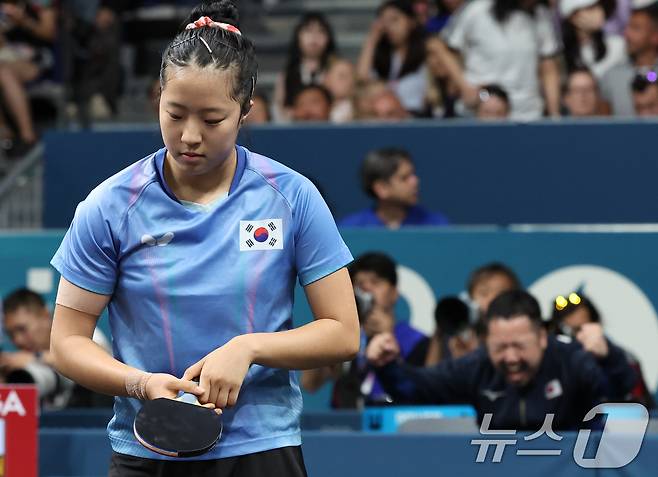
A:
[477,145]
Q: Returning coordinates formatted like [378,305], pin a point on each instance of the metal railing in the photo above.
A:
[21,193]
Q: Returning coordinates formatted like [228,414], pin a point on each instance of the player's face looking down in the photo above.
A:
[199,119]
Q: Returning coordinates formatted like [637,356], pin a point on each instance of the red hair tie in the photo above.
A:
[208,22]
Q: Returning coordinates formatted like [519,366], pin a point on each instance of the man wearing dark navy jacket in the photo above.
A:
[519,376]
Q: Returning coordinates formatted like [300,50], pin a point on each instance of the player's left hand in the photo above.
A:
[593,340]
[221,374]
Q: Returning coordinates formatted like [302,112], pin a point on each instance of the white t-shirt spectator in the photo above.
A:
[506,53]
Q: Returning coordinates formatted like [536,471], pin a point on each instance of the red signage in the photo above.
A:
[18,431]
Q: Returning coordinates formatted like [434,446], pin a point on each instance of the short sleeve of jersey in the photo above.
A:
[319,247]
[457,30]
[547,39]
[87,256]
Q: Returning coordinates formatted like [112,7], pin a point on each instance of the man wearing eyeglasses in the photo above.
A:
[641,35]
[519,376]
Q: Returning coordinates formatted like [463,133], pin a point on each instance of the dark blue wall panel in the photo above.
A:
[534,173]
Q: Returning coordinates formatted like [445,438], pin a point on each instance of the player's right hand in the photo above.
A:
[382,349]
[162,385]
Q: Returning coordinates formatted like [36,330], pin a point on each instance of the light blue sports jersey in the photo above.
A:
[186,280]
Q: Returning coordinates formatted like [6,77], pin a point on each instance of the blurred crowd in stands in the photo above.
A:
[487,59]
[491,348]
[518,60]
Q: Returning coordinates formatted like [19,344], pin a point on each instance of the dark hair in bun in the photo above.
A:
[217,48]
[223,11]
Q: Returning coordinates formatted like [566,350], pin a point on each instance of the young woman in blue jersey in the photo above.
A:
[195,250]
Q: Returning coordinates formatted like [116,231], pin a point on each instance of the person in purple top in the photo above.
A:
[388,176]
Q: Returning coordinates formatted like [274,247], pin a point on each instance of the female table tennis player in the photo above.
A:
[195,251]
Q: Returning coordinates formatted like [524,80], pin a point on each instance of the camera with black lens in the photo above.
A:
[54,389]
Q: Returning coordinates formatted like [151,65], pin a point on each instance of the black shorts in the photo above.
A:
[284,462]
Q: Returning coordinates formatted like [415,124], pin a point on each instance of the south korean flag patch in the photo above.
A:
[261,235]
[553,389]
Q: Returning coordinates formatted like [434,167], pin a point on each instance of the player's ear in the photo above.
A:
[246,114]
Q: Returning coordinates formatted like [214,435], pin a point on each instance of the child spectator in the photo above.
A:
[340,80]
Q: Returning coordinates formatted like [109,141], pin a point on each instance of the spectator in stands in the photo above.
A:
[364,98]
[576,317]
[508,42]
[586,45]
[27,322]
[312,103]
[340,80]
[95,49]
[493,104]
[27,32]
[645,94]
[642,47]
[375,280]
[519,376]
[311,50]
[375,101]
[260,110]
[487,282]
[442,92]
[454,335]
[581,95]
[484,284]
[394,52]
[422,10]
[386,106]
[388,176]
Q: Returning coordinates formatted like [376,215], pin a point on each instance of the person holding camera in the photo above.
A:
[27,322]
[374,277]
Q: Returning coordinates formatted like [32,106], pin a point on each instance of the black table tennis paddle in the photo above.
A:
[177,428]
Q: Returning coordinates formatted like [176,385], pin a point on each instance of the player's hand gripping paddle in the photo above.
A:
[177,428]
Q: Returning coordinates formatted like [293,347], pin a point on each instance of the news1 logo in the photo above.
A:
[619,443]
